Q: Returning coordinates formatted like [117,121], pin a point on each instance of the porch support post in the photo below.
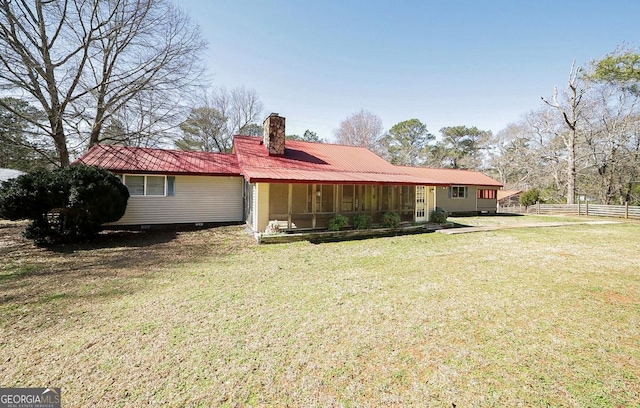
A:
[289,205]
[314,200]
[428,200]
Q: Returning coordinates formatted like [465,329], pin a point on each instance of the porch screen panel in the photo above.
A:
[278,201]
[301,206]
[348,198]
[325,198]
[390,198]
[408,198]
[370,198]
[302,196]
[408,202]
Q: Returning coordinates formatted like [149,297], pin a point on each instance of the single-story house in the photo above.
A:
[300,184]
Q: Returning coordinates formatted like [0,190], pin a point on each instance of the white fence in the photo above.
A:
[620,211]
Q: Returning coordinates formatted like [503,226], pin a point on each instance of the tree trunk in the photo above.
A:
[570,117]
[571,167]
[60,141]
[61,149]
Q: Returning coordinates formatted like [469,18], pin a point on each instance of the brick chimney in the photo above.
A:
[273,135]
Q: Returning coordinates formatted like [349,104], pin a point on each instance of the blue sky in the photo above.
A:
[446,63]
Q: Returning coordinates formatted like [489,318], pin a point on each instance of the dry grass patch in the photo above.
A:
[208,318]
[508,219]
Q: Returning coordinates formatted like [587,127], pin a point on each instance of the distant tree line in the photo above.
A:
[583,140]
[410,143]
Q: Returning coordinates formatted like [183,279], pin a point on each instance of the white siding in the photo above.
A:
[197,199]
[448,204]
[487,204]
[431,200]
[262,206]
[468,204]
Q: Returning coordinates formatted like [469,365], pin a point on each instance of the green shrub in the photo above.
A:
[362,221]
[64,205]
[338,222]
[438,215]
[391,219]
[530,197]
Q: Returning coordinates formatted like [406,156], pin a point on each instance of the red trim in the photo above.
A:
[173,173]
[345,182]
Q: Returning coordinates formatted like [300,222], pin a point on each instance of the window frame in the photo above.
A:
[457,189]
[168,189]
[487,194]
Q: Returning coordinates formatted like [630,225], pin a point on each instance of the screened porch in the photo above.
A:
[307,206]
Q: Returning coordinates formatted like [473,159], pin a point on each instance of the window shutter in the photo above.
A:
[450,193]
[171,186]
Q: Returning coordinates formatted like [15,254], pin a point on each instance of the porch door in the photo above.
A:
[421,203]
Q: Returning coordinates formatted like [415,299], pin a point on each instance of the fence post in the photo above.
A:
[626,209]
[579,212]
[538,206]
[586,207]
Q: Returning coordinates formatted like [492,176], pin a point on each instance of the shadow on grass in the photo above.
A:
[117,239]
[113,264]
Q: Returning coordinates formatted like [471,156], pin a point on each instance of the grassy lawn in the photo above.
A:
[518,317]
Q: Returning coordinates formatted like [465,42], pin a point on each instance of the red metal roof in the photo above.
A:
[452,176]
[306,162]
[502,194]
[146,160]
[303,162]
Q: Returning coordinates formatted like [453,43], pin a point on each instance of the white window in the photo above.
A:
[457,192]
[158,186]
[155,185]
[135,184]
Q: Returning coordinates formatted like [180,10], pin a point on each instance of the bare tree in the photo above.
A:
[610,140]
[86,61]
[219,116]
[362,129]
[510,158]
[547,150]
[570,110]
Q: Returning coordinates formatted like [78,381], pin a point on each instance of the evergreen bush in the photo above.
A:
[362,221]
[438,215]
[338,222]
[391,220]
[530,197]
[64,205]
